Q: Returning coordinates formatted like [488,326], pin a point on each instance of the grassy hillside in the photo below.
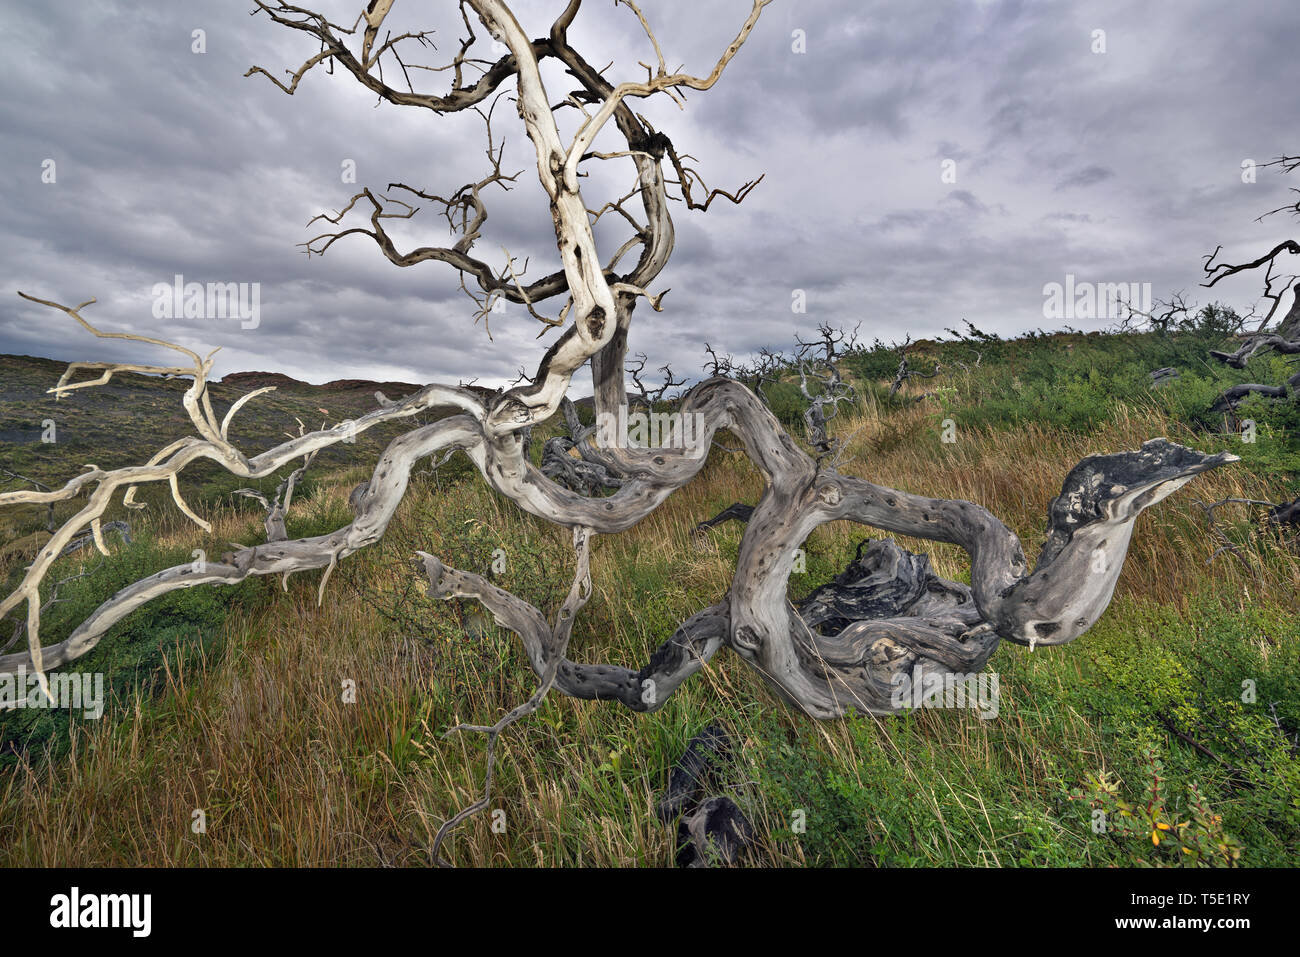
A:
[125,421]
[232,701]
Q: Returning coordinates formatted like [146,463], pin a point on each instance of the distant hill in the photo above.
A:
[126,420]
[247,381]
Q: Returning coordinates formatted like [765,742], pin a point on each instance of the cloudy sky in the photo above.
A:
[1115,166]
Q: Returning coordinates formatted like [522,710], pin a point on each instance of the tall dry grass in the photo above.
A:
[286,772]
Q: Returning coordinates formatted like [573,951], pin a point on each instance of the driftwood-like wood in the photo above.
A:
[711,828]
[1163,376]
[841,649]
[577,474]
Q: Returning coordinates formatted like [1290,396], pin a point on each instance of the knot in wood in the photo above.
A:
[829,495]
[595,322]
[745,638]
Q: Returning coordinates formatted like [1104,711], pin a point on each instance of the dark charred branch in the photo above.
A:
[738,512]
[1162,317]
[714,832]
[1285,513]
[1161,377]
[579,473]
[1233,395]
[585,478]
[648,397]
[696,771]
[1283,517]
[1285,337]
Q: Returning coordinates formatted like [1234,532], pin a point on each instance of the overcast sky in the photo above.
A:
[1115,166]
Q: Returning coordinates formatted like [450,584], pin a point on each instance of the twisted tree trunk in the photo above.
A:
[834,652]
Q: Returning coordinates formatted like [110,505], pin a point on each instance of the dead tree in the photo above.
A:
[648,397]
[819,360]
[277,507]
[974,340]
[710,827]
[762,370]
[1281,518]
[1162,317]
[1284,338]
[584,472]
[736,512]
[905,371]
[577,474]
[926,626]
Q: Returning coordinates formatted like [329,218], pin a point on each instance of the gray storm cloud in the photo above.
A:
[1115,167]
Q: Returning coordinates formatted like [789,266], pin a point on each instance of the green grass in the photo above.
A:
[1177,715]
[949,788]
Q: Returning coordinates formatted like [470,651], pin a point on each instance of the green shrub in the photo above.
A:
[181,627]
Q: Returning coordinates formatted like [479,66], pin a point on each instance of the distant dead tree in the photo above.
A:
[1283,518]
[1163,317]
[905,371]
[648,397]
[277,507]
[764,369]
[846,657]
[819,360]
[975,340]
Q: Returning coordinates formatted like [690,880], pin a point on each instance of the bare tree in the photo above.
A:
[974,340]
[762,370]
[1284,338]
[277,507]
[819,360]
[826,663]
[648,397]
[1163,316]
[905,371]
[1281,517]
